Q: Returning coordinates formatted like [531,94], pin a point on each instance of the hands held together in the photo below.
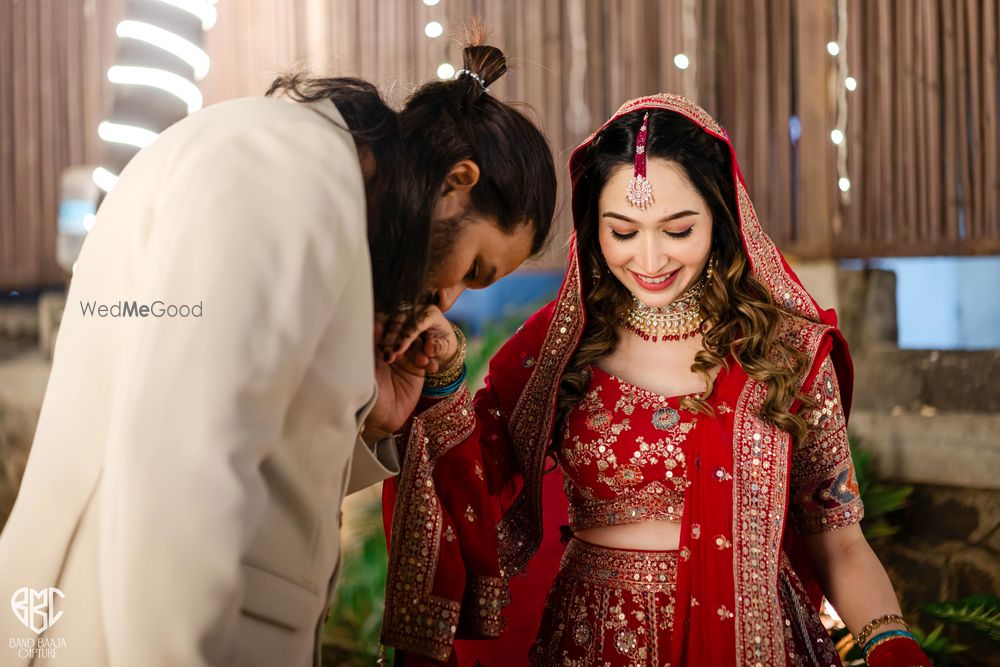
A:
[408,349]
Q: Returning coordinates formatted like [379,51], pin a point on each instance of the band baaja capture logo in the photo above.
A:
[38,611]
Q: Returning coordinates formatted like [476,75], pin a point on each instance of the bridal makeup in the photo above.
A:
[659,251]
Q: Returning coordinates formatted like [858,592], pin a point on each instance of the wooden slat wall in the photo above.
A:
[53,58]
[630,47]
[922,127]
[922,135]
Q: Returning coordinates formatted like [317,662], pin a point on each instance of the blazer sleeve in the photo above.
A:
[372,463]
[261,226]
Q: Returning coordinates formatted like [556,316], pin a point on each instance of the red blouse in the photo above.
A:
[624,454]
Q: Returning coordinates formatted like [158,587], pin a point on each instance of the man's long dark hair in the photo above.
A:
[441,124]
[398,257]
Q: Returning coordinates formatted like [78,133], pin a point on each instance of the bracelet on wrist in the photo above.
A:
[885,636]
[446,390]
[862,637]
[449,374]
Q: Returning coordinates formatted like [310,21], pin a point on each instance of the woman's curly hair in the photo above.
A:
[741,317]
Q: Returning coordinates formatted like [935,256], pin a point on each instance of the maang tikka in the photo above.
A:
[639,192]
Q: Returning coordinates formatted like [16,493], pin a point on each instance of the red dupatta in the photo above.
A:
[728,608]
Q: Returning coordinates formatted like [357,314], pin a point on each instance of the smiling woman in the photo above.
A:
[689,389]
[657,255]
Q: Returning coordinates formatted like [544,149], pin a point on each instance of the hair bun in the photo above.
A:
[484,63]
[488,62]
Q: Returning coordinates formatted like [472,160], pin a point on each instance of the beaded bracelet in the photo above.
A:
[885,636]
[447,390]
[862,636]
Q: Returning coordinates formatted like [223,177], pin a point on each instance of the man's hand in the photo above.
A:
[403,358]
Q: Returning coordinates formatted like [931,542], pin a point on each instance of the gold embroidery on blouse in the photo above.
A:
[633,502]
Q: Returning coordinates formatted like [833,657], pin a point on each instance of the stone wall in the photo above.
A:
[932,420]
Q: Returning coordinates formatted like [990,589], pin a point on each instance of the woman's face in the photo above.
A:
[659,252]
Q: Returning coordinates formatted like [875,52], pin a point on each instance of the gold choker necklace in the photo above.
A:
[678,320]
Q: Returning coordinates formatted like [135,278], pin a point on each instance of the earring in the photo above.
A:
[710,270]
[596,275]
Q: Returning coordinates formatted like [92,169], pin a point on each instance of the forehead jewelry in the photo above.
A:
[639,192]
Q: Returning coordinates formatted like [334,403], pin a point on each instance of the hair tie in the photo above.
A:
[480,80]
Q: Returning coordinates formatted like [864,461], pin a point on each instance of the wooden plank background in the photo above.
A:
[54,55]
[922,129]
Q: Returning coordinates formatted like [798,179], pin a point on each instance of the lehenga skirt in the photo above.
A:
[609,608]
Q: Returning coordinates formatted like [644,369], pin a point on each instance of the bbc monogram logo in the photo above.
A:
[38,611]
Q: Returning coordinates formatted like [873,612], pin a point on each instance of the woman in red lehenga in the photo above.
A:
[695,398]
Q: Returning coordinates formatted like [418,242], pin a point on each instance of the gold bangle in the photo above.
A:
[866,631]
[451,373]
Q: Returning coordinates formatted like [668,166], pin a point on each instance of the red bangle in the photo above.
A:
[896,652]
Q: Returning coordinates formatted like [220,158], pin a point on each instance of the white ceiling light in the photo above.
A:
[104,179]
[157,78]
[200,8]
[851,83]
[681,61]
[170,42]
[833,48]
[117,133]
[837,137]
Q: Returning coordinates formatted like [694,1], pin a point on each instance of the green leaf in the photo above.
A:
[933,636]
[979,612]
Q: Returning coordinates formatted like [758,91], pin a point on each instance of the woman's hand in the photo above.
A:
[404,355]
[429,336]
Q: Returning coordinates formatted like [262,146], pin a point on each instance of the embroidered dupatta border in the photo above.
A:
[519,531]
[761,466]
[415,619]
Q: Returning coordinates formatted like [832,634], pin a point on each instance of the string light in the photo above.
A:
[446,71]
[838,135]
[689,44]
[433,29]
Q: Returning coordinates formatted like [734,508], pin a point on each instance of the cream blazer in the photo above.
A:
[184,486]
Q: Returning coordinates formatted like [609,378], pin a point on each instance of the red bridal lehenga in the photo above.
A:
[475,553]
